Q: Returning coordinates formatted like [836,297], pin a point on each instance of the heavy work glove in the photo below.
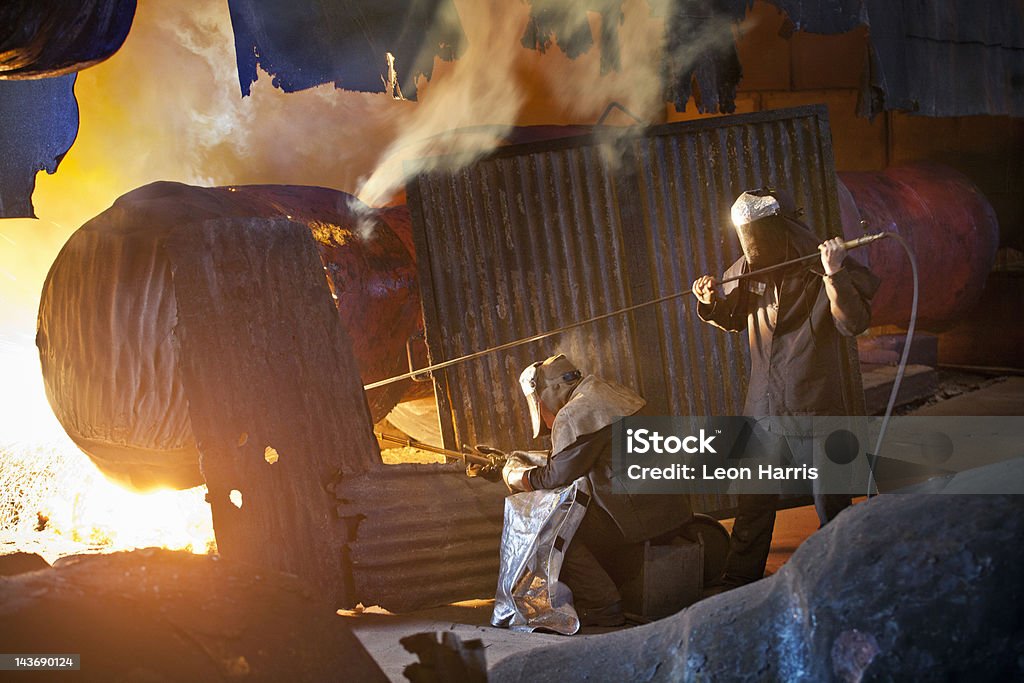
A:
[535,458]
[515,473]
[492,471]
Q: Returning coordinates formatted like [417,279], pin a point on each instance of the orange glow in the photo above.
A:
[54,501]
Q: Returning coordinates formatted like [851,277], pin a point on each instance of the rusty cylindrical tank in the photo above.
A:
[948,223]
[107,314]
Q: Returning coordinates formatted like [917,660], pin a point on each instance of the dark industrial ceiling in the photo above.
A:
[952,58]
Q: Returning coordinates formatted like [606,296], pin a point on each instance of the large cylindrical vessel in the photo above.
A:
[949,224]
[107,314]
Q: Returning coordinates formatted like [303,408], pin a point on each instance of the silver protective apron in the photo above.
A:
[538,528]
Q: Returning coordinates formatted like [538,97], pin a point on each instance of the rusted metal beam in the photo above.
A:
[266,364]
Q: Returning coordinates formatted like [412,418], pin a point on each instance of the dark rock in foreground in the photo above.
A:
[158,615]
[903,587]
[21,563]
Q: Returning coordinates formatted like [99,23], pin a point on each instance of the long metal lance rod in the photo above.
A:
[518,342]
[848,245]
[851,244]
[413,443]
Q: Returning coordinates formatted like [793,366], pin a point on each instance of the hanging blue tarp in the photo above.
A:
[304,43]
[38,123]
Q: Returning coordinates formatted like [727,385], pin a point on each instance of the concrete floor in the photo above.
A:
[1005,397]
[380,632]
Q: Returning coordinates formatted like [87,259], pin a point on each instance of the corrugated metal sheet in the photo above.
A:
[542,235]
[422,535]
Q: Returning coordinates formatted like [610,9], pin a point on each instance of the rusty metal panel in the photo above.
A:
[423,535]
[542,235]
[257,328]
[519,243]
[258,332]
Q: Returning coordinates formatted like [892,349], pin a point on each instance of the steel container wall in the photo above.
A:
[948,223]
[542,235]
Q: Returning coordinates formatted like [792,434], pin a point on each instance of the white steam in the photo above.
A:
[498,83]
[478,89]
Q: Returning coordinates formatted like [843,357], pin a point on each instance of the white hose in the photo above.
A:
[873,458]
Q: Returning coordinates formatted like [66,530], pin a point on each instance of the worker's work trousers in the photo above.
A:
[755,520]
[585,568]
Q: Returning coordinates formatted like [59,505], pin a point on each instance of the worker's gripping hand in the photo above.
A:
[488,472]
[833,252]
[704,289]
[516,474]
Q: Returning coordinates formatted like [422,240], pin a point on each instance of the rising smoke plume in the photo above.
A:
[497,83]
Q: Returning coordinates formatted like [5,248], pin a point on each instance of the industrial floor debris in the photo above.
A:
[380,631]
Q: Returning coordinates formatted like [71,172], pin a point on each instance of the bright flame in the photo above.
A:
[55,502]
[165,107]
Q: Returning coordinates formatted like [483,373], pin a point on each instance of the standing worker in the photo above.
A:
[796,319]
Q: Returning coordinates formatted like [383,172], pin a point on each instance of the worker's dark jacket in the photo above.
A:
[639,517]
[796,323]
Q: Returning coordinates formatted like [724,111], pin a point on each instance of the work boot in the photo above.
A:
[610,615]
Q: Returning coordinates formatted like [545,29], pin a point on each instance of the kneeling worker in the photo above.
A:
[579,412]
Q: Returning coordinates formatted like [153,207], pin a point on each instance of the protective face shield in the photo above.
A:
[760,220]
[549,381]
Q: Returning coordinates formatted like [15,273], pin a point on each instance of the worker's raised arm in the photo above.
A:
[849,287]
[727,311]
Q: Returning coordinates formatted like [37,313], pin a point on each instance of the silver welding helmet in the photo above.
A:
[549,381]
[760,217]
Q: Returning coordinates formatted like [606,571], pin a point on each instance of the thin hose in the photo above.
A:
[873,458]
